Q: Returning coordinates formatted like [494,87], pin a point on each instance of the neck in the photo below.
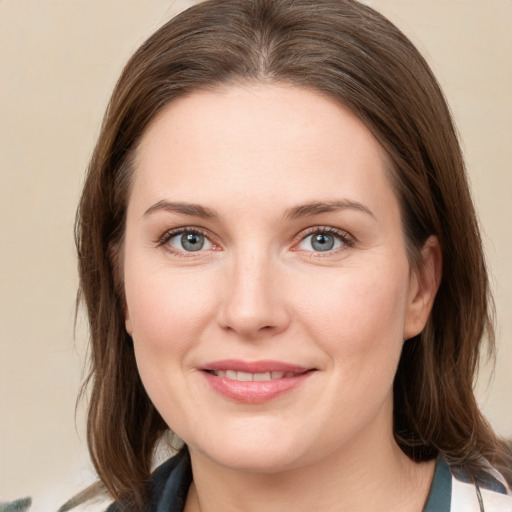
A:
[371,474]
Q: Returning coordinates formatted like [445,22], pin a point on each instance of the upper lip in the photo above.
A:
[255,366]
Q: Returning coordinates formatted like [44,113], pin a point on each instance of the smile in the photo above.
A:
[254,382]
[247,377]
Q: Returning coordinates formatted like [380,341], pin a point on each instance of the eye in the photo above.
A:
[324,240]
[187,241]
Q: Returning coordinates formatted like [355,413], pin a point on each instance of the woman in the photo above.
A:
[281,264]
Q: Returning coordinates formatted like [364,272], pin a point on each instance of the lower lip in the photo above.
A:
[254,392]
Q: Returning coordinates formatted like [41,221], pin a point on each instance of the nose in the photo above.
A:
[253,300]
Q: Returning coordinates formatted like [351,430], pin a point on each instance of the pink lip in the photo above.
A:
[254,366]
[255,392]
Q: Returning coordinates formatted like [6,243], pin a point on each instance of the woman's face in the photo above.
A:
[267,283]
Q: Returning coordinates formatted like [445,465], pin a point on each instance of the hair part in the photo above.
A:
[352,54]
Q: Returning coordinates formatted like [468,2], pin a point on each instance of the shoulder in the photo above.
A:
[168,485]
[490,494]
[454,489]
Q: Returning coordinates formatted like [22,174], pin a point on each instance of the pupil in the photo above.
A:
[192,241]
[322,242]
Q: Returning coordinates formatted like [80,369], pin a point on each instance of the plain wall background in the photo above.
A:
[59,60]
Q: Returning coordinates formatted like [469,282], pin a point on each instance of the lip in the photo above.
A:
[255,392]
[254,366]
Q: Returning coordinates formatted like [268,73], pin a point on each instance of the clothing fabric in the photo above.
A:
[452,490]
[169,485]
[21,505]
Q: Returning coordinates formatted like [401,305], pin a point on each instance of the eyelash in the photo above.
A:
[169,235]
[346,239]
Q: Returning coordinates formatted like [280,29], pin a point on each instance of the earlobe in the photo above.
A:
[116,259]
[128,326]
[425,282]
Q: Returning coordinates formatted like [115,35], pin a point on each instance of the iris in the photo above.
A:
[322,242]
[192,241]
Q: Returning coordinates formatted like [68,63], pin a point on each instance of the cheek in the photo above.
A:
[166,309]
[358,314]
[168,312]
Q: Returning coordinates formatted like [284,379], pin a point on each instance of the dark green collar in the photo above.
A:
[440,496]
[172,479]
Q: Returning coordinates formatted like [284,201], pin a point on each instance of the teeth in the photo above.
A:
[263,376]
[246,377]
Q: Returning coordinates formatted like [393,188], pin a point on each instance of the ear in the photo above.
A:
[128,325]
[116,260]
[425,281]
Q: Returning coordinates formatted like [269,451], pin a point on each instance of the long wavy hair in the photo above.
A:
[352,54]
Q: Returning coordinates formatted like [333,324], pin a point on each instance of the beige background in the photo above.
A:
[59,60]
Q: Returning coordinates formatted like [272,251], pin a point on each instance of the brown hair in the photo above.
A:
[352,54]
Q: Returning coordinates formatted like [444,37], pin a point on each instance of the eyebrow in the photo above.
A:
[318,207]
[302,210]
[192,209]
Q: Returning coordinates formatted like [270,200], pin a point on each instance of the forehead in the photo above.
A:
[263,141]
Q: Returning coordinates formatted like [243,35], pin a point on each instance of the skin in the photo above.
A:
[259,290]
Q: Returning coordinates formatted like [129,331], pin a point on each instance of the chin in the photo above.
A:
[259,451]
[255,459]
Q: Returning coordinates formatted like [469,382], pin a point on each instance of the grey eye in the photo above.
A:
[190,242]
[321,242]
